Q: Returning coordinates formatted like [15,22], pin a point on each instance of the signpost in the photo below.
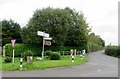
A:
[45,40]
[13,45]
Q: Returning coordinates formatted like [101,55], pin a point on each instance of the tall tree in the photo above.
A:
[65,26]
[78,30]
[10,29]
[96,39]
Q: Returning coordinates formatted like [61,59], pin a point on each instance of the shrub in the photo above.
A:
[113,51]
[55,56]
[8,59]
[27,53]
[48,53]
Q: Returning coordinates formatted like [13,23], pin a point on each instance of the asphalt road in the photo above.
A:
[98,65]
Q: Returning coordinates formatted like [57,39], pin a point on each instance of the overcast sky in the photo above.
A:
[102,15]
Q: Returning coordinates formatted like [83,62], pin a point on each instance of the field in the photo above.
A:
[39,65]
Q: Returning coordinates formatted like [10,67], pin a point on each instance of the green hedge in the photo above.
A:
[113,51]
[37,49]
[21,48]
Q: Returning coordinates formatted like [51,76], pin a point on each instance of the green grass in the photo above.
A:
[38,65]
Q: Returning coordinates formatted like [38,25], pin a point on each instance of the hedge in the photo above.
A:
[21,48]
[113,51]
[37,49]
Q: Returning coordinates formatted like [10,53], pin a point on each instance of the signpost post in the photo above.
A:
[13,45]
[45,37]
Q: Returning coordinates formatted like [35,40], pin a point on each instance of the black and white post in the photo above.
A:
[21,59]
[73,58]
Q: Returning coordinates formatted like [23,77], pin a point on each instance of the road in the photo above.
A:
[98,65]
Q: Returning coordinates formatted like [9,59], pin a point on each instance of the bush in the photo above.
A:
[28,53]
[55,56]
[48,53]
[113,51]
[8,60]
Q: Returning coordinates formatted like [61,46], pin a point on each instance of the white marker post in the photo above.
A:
[13,45]
[45,36]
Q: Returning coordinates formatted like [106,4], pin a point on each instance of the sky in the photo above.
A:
[101,15]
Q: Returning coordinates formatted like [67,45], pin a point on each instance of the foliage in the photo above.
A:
[48,53]
[8,60]
[55,56]
[28,53]
[10,29]
[96,40]
[78,30]
[113,51]
[0,32]
[95,43]
[94,47]
[65,26]
[21,48]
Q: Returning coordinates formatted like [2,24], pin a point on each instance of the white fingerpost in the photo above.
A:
[45,37]
[43,47]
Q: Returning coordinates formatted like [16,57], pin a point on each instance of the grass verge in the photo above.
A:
[39,65]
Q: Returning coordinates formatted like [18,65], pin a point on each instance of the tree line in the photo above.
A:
[67,27]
